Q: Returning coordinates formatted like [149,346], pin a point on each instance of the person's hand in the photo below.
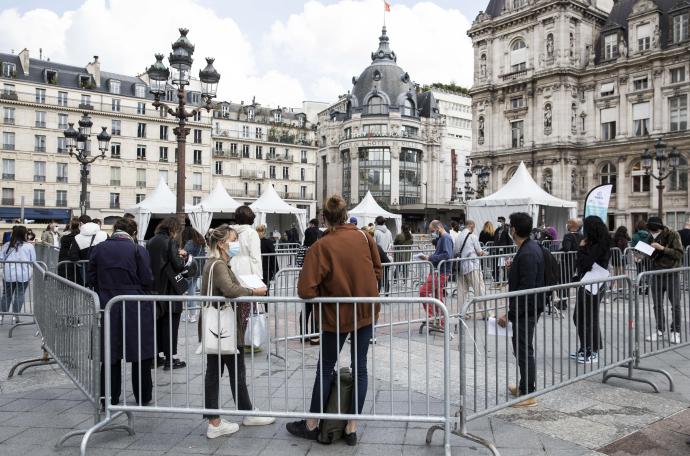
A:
[482,253]
[182,252]
[502,321]
[583,243]
[260,291]
[423,257]
[657,246]
[509,262]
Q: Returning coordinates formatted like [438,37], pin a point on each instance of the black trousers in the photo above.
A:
[669,284]
[238,381]
[116,381]
[586,319]
[166,334]
[314,324]
[523,347]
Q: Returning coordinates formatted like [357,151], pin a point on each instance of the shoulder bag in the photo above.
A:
[177,280]
[219,334]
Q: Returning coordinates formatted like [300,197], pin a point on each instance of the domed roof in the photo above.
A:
[383,78]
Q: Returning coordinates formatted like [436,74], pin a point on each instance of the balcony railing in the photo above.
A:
[196,187]
[7,176]
[61,203]
[242,193]
[8,201]
[115,182]
[141,184]
[39,148]
[61,179]
[40,124]
[62,126]
[39,202]
[9,95]
[114,205]
[252,174]
[304,160]
[296,195]
[61,150]
[86,106]
[8,120]
[279,158]
[8,146]
[514,75]
[39,178]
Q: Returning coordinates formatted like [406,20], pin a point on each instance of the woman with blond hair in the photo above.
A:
[223,247]
[487,234]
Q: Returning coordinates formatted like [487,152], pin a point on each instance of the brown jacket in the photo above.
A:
[345,262]
[224,284]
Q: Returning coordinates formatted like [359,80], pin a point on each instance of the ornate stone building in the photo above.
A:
[578,90]
[385,137]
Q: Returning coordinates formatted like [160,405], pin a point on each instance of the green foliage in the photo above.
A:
[450,87]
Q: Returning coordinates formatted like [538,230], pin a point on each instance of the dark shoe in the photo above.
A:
[176,364]
[299,429]
[350,439]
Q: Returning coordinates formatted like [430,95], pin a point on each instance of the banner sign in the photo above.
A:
[597,202]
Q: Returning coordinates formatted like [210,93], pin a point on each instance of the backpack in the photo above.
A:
[552,269]
[332,430]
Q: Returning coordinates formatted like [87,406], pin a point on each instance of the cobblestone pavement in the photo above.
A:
[585,418]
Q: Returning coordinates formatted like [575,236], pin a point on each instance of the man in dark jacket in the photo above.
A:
[685,235]
[501,238]
[293,235]
[526,272]
[668,255]
[166,261]
[312,233]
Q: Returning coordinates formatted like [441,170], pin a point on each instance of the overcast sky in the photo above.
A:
[282,51]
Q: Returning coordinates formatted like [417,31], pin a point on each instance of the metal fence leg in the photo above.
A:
[21,323]
[45,360]
[99,427]
[630,377]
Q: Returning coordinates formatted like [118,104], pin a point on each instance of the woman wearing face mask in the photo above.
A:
[223,247]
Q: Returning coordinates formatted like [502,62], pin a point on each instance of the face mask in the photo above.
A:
[55,229]
[434,235]
[233,249]
[499,224]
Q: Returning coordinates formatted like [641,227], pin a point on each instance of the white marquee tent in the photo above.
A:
[161,201]
[281,213]
[368,209]
[217,202]
[522,194]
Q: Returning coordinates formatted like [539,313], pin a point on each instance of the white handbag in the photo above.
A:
[219,335]
[257,330]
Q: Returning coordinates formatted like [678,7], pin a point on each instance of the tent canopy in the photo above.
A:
[522,194]
[217,202]
[161,201]
[368,209]
[271,204]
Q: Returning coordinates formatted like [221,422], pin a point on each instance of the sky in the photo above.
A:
[281,51]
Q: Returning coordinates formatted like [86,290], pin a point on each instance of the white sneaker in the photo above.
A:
[224,428]
[654,337]
[258,420]
[675,337]
[192,319]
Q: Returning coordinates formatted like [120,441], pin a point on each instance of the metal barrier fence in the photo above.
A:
[17,298]
[74,271]
[48,255]
[404,385]
[553,246]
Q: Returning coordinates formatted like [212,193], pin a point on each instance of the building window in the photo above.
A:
[39,171]
[8,197]
[140,91]
[141,108]
[197,157]
[163,154]
[607,175]
[9,70]
[375,172]
[245,151]
[141,130]
[611,46]
[61,198]
[286,173]
[8,89]
[39,197]
[116,127]
[61,174]
[140,197]
[302,174]
[219,146]
[644,37]
[303,192]
[115,104]
[8,140]
[272,172]
[517,102]
[196,200]
[608,123]
[517,138]
[115,176]
[258,134]
[40,119]
[196,181]
[40,95]
[680,27]
[8,116]
[114,86]
[303,156]
[678,110]
[259,152]
[607,89]
[233,149]
[410,176]
[114,201]
[641,83]
[62,121]
[408,108]
[679,176]
[518,56]
[640,178]
[218,170]
[141,177]
[164,132]
[62,99]
[197,136]
[375,129]
[277,116]
[7,169]
[114,150]
[245,131]
[61,145]
[141,152]
[641,116]
[250,114]
[85,102]
[376,106]
[677,75]
[163,175]
[40,143]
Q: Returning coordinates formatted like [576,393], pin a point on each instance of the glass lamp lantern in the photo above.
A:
[70,136]
[646,159]
[158,75]
[209,79]
[103,140]
[181,59]
[85,125]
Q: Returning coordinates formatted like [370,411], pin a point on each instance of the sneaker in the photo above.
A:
[675,337]
[531,402]
[659,335]
[192,319]
[577,354]
[258,420]
[513,389]
[588,359]
[224,428]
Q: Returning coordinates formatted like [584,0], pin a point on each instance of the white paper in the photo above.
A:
[644,248]
[597,273]
[494,329]
[418,256]
[251,281]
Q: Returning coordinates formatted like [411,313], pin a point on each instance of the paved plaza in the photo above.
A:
[586,418]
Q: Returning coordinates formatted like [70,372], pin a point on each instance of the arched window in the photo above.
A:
[376,106]
[547,180]
[518,56]
[511,172]
[640,178]
[607,175]
[679,177]
[408,108]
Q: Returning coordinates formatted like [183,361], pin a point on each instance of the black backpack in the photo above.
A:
[552,269]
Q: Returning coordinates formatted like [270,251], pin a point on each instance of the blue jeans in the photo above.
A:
[14,294]
[191,291]
[330,348]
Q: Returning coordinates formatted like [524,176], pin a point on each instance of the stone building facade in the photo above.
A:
[578,90]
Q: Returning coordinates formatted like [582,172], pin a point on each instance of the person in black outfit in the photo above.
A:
[501,238]
[66,241]
[312,233]
[526,272]
[164,251]
[594,248]
[269,262]
[685,235]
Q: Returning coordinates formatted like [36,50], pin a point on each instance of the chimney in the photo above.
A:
[40,53]
[24,61]
[94,69]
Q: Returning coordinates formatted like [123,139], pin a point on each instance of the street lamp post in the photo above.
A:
[160,76]
[77,142]
[426,204]
[483,173]
[666,163]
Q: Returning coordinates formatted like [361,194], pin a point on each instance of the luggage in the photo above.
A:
[332,430]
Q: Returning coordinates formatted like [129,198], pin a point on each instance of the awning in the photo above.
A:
[641,111]
[38,214]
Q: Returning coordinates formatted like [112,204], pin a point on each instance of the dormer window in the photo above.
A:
[644,37]
[140,91]
[250,114]
[195,98]
[408,108]
[9,70]
[680,27]
[85,82]
[114,86]
[611,46]
[277,116]
[376,106]
[51,76]
[300,121]
[518,56]
[225,110]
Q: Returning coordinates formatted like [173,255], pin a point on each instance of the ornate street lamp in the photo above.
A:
[666,164]
[483,173]
[77,142]
[180,60]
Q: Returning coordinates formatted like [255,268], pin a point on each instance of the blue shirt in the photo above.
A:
[444,251]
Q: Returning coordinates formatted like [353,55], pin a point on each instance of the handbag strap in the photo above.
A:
[463,244]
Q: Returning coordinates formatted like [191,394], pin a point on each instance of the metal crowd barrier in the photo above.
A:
[17,297]
[405,385]
[553,246]
[48,255]
[74,271]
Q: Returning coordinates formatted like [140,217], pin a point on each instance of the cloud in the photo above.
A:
[328,44]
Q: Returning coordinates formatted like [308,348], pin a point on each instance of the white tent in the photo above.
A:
[161,201]
[217,202]
[368,209]
[270,204]
[522,194]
